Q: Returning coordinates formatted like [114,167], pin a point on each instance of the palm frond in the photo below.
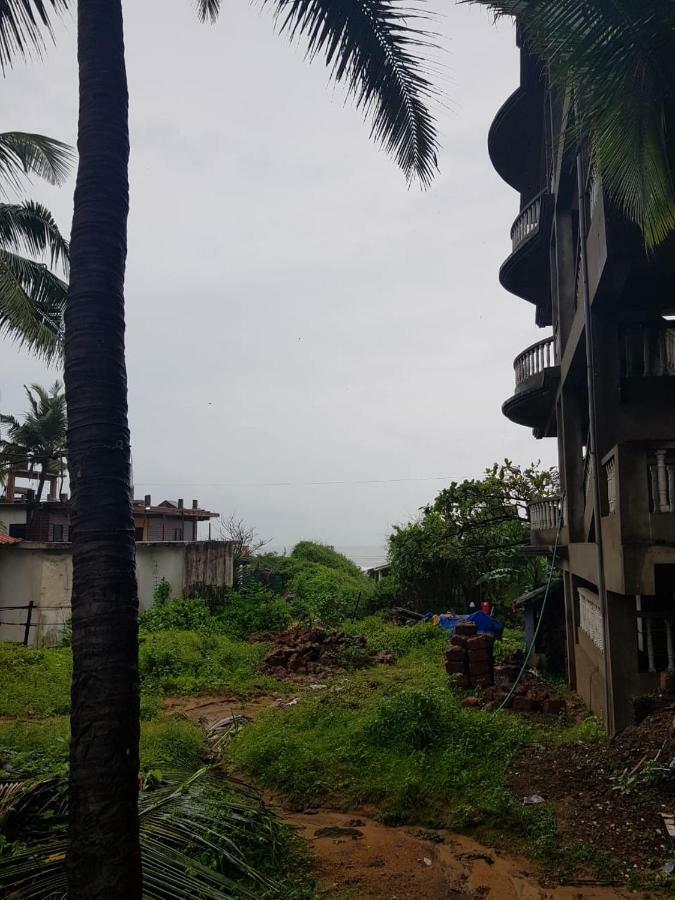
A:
[29,227]
[23,26]
[32,300]
[374,48]
[208,10]
[196,834]
[23,154]
[618,59]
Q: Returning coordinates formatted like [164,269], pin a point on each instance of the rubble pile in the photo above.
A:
[530,695]
[470,657]
[316,651]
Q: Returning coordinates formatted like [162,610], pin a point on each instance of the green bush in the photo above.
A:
[253,609]
[34,682]
[187,662]
[430,640]
[177,615]
[324,585]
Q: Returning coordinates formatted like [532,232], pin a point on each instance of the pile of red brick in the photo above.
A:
[316,651]
[529,696]
[470,656]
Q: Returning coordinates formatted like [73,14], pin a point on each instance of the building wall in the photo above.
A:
[9,516]
[42,575]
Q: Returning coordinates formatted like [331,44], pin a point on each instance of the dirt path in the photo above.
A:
[358,858]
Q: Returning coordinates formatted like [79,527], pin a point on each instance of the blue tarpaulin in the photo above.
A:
[484,624]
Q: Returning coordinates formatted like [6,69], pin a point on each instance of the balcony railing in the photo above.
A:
[527,223]
[649,350]
[662,482]
[534,360]
[610,475]
[545,513]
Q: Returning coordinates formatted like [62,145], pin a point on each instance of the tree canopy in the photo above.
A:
[468,543]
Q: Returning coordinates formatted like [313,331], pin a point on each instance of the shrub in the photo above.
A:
[381,635]
[250,610]
[162,592]
[187,662]
[176,615]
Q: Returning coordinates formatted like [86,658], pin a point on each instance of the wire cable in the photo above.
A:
[541,614]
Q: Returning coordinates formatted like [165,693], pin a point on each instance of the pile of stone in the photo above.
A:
[529,696]
[316,651]
[470,657]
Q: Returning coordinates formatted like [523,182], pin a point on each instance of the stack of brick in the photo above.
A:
[470,656]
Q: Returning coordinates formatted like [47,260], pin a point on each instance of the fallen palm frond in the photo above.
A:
[199,834]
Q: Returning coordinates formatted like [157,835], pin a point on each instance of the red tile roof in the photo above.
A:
[6,539]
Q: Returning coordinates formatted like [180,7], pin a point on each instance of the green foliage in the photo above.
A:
[252,609]
[172,743]
[242,612]
[322,584]
[187,662]
[40,749]
[468,543]
[380,635]
[176,615]
[398,738]
[40,439]
[162,592]
[35,749]
[34,682]
[513,639]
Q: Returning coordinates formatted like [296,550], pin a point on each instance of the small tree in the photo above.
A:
[245,537]
[472,536]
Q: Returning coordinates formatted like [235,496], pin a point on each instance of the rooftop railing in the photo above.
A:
[534,360]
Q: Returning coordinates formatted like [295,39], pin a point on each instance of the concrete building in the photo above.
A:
[620,634]
[21,516]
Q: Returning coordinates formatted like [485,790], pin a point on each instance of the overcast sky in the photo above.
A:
[294,312]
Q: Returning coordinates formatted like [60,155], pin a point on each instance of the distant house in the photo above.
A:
[377,573]
[21,516]
[168,521]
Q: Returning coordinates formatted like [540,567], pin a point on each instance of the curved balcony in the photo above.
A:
[525,272]
[537,378]
[514,142]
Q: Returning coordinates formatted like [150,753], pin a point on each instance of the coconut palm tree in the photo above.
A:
[40,439]
[617,59]
[370,46]
[32,296]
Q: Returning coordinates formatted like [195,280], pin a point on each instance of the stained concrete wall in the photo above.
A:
[42,574]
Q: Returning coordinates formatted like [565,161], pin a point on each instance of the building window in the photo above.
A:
[58,533]
[17,530]
[178,534]
[138,533]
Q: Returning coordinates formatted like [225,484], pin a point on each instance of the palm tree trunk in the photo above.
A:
[104,855]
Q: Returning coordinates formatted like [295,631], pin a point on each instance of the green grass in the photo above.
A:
[394,737]
[188,662]
[36,749]
[34,682]
[429,640]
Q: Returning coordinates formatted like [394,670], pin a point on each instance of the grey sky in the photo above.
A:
[294,312]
